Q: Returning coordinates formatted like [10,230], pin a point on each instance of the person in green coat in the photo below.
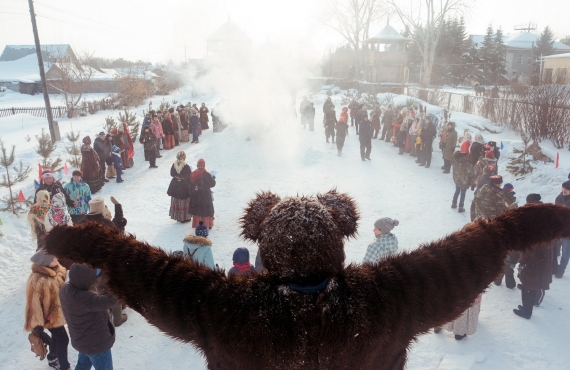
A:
[448,146]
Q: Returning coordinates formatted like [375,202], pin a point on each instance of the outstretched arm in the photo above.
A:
[434,284]
[166,290]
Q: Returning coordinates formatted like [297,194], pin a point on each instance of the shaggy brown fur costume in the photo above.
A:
[366,316]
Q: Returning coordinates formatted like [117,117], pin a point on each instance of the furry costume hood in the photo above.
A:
[198,240]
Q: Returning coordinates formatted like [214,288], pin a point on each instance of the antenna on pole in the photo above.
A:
[526,27]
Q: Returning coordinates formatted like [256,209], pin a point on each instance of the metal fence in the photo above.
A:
[57,112]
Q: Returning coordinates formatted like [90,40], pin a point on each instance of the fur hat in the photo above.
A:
[42,258]
[309,249]
[77,173]
[533,198]
[201,229]
[241,255]
[465,147]
[386,224]
[508,186]
[489,155]
[97,205]
[496,180]
[566,185]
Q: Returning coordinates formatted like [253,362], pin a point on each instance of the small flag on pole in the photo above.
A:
[21,198]
[502,146]
[557,159]
[40,171]
[65,168]
[36,184]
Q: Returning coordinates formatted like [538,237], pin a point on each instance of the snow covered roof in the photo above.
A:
[25,69]
[523,40]
[15,52]
[228,32]
[388,35]
[565,55]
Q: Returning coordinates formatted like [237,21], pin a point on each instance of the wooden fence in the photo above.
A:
[57,112]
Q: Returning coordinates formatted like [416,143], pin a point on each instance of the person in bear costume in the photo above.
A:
[309,310]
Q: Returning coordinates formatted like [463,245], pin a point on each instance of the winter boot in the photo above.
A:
[427,165]
[422,164]
[461,210]
[363,159]
[522,313]
[454,206]
[559,273]
[446,171]
[436,330]
[443,167]
[54,363]
[460,337]
[339,152]
[118,316]
[327,140]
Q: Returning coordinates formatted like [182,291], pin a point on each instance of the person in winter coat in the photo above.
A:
[305,103]
[168,130]
[88,318]
[427,135]
[414,131]
[354,107]
[179,189]
[129,153]
[36,217]
[148,139]
[195,125]
[476,151]
[117,161]
[386,243]
[185,124]
[80,192]
[176,121]
[204,117]
[198,247]
[485,177]
[156,128]
[486,161]
[330,123]
[463,176]
[90,166]
[365,138]
[510,197]
[448,146]
[241,264]
[490,199]
[360,116]
[327,105]
[290,307]
[467,323]
[375,120]
[535,272]
[402,134]
[43,309]
[57,214]
[201,201]
[387,120]
[311,116]
[103,149]
[122,141]
[341,130]
[563,199]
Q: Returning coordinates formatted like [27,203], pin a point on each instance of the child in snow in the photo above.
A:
[198,247]
[241,263]
[386,243]
[116,154]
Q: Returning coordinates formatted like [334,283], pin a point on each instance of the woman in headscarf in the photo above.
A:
[58,213]
[476,150]
[168,129]
[179,189]
[129,147]
[90,166]
[37,215]
[201,201]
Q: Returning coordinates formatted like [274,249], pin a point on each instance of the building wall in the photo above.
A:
[519,63]
[556,70]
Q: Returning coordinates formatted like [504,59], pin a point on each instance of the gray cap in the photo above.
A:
[42,258]
[386,224]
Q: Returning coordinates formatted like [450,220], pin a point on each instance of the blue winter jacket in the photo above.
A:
[81,193]
[199,249]
[365,131]
[117,161]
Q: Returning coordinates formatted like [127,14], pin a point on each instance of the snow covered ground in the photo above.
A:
[289,160]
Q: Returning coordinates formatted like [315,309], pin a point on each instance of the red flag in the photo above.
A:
[40,171]
[557,159]
[21,197]
[65,168]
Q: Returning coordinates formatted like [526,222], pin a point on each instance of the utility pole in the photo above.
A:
[42,72]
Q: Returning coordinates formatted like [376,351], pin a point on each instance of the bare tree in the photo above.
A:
[352,19]
[425,18]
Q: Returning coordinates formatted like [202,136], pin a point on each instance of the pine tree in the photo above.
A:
[74,150]
[45,148]
[498,72]
[349,95]
[6,161]
[109,124]
[132,123]
[544,47]
[487,55]
[565,40]
[521,165]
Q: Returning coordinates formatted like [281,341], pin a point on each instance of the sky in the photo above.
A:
[159,32]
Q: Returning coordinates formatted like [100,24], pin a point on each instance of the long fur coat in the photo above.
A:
[42,297]
[309,311]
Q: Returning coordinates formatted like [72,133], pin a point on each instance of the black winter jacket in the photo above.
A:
[87,314]
[102,148]
[179,187]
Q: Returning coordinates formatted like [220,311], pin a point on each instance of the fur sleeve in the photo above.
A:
[165,289]
[434,284]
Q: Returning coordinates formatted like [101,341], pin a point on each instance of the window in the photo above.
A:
[561,76]
[547,76]
[529,60]
[520,59]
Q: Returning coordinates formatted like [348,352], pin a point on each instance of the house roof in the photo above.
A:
[228,32]
[388,35]
[25,69]
[523,40]
[15,52]
[561,56]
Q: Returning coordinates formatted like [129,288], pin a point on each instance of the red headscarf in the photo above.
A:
[197,174]
[131,152]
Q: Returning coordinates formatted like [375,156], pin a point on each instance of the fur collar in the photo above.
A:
[44,270]
[199,240]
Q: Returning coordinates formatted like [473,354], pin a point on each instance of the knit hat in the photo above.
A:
[241,255]
[465,147]
[490,155]
[97,205]
[493,143]
[42,258]
[508,186]
[566,185]
[533,198]
[386,224]
[77,173]
[47,173]
[496,180]
[201,163]
[201,229]
[116,149]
